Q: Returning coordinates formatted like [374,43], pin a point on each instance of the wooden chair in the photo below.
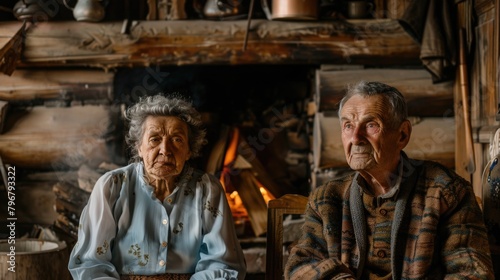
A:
[287,204]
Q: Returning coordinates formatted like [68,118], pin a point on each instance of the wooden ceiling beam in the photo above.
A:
[190,42]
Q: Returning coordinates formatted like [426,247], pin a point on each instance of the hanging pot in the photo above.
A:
[295,9]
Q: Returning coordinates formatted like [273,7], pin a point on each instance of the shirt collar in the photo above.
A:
[182,179]
[392,194]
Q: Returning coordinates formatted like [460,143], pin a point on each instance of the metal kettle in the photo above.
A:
[87,10]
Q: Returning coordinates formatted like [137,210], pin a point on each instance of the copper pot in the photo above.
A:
[295,9]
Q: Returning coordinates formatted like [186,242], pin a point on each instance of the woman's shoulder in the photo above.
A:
[115,177]
[206,182]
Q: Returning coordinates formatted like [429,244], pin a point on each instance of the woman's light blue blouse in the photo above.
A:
[125,229]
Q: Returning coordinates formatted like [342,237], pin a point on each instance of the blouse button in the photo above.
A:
[383,212]
[164,221]
[162,263]
[164,244]
[169,200]
[381,254]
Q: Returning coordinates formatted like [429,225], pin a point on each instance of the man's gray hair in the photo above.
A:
[159,105]
[394,98]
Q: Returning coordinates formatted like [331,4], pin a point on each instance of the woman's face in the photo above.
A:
[164,147]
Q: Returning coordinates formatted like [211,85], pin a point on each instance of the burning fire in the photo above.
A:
[234,199]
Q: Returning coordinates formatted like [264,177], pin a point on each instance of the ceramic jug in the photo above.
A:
[87,10]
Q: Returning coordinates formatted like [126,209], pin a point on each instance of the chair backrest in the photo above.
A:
[276,208]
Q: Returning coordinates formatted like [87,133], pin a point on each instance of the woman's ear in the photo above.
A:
[139,150]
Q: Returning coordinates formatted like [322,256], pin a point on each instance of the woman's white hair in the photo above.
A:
[159,105]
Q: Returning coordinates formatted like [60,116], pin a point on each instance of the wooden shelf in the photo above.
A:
[189,42]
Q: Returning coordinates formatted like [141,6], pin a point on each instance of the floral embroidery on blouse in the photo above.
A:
[101,250]
[178,228]
[215,212]
[188,191]
[136,251]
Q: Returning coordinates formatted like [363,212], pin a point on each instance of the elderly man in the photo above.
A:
[394,217]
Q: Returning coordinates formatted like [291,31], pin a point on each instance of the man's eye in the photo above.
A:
[372,127]
[177,139]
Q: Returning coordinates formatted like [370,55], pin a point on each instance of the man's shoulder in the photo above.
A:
[437,180]
[435,170]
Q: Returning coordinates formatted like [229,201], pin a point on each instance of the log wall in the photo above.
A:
[52,138]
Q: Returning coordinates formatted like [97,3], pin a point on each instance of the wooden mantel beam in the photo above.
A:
[188,42]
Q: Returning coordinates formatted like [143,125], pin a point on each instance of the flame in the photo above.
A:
[236,205]
[230,157]
[232,149]
[265,194]
[235,202]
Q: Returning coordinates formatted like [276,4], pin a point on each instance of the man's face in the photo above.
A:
[370,144]
[164,147]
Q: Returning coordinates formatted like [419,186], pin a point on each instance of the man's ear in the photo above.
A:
[405,133]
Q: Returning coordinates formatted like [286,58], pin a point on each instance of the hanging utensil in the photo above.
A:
[464,89]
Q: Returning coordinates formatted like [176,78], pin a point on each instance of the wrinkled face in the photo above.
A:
[369,143]
[164,147]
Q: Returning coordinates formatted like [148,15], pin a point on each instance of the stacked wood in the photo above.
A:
[44,138]
[87,177]
[70,201]
[73,195]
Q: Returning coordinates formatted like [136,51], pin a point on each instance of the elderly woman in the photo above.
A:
[158,217]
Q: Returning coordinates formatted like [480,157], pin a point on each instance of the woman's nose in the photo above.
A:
[165,148]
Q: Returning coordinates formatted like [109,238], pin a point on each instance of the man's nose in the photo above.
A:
[358,135]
